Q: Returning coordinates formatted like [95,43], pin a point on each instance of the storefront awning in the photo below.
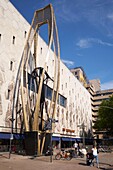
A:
[18,136]
[55,138]
[8,136]
[78,139]
[5,136]
[68,139]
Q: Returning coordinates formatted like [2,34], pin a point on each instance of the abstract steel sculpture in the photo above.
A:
[22,95]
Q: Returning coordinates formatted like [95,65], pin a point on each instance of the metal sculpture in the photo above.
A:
[29,73]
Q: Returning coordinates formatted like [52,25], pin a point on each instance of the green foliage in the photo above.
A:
[105,116]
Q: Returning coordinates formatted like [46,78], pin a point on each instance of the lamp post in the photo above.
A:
[48,126]
[82,126]
[11,137]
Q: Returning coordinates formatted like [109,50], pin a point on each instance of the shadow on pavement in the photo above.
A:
[40,158]
[106,168]
[84,164]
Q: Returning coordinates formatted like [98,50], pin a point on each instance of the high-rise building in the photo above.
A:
[96,84]
[79,73]
[96,94]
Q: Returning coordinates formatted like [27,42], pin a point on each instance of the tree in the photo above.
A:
[105,117]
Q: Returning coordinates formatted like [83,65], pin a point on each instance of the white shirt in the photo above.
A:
[75,145]
[94,151]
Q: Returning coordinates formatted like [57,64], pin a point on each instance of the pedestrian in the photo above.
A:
[75,145]
[95,155]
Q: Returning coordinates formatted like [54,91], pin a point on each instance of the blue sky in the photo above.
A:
[85,29]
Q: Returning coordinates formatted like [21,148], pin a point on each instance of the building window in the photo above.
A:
[67,115]
[62,86]
[66,85]
[62,101]
[11,65]
[8,95]
[47,68]
[62,71]
[77,77]
[31,82]
[58,110]
[73,118]
[13,40]
[25,33]
[48,92]
[0,37]
[41,50]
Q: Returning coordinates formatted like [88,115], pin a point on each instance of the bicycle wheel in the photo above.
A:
[58,157]
[68,157]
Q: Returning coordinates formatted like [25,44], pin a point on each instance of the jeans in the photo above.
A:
[96,157]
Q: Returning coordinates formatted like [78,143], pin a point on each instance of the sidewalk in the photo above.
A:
[18,162]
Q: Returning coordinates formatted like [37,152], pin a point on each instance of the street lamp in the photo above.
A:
[48,126]
[11,137]
[82,126]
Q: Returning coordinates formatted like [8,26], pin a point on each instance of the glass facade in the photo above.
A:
[48,91]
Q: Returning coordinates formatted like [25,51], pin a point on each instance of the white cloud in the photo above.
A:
[80,55]
[107,85]
[68,63]
[102,42]
[86,43]
[110,16]
[97,13]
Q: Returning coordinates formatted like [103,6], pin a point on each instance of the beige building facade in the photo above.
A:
[74,107]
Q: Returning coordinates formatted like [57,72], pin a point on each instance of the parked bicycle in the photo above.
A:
[63,154]
[74,155]
[104,149]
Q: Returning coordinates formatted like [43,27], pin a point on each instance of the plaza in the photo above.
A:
[19,162]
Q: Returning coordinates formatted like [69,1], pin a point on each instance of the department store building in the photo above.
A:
[74,105]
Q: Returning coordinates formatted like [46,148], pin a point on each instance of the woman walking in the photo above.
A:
[95,155]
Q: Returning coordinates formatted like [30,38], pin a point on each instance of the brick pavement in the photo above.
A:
[17,162]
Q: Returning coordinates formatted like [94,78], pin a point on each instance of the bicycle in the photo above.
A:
[63,154]
[105,149]
[74,155]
